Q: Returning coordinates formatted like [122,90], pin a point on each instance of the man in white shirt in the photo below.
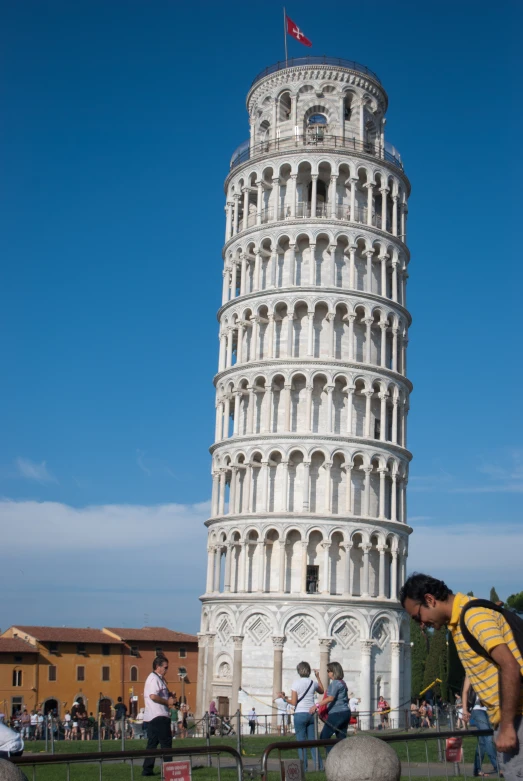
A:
[252,721]
[11,743]
[353,707]
[158,699]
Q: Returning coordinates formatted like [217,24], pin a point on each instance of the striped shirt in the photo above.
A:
[490,629]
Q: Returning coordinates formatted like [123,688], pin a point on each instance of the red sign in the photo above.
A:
[177,771]
[454,750]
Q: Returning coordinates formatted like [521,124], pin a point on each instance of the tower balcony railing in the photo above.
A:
[323,212]
[294,62]
[246,152]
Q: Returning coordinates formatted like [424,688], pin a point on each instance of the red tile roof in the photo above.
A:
[153,634]
[64,634]
[13,645]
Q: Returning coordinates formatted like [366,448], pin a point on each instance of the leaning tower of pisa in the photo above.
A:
[308,534]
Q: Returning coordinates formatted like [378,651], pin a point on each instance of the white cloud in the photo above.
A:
[39,472]
[54,526]
[141,463]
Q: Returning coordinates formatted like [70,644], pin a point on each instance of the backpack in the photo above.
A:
[512,619]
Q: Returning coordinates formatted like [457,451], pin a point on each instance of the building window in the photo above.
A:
[17,677]
[53,648]
[106,649]
[80,649]
[106,673]
[134,650]
[51,672]
[80,673]
[17,704]
[134,674]
[182,653]
[18,658]
[158,652]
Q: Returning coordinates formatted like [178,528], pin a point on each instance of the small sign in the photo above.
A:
[291,770]
[134,698]
[177,771]
[454,749]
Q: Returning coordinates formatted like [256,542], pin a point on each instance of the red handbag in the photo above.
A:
[323,709]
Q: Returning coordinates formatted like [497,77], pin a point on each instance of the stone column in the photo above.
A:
[250,409]
[330,391]
[365,585]
[266,416]
[325,647]
[228,221]
[365,683]
[257,264]
[347,590]
[325,589]
[304,557]
[383,416]
[348,493]
[395,199]
[395,421]
[332,346]
[383,259]
[245,191]
[393,498]
[229,348]
[225,285]
[285,486]
[254,341]
[384,191]
[314,195]
[327,465]
[273,268]
[350,397]
[247,566]
[215,493]
[308,408]
[275,197]
[370,201]
[353,215]
[306,488]
[368,338]
[236,671]
[217,567]
[395,648]
[265,485]
[248,489]
[381,579]
[261,565]
[283,555]
[312,269]
[226,416]
[237,396]
[232,490]
[223,351]
[290,328]
[310,334]
[209,671]
[383,475]
[219,422]
[243,275]
[351,319]
[277,670]
[259,201]
[332,195]
[395,332]
[383,344]
[368,396]
[362,121]
[368,282]
[274,123]
[287,407]
[294,189]
[210,570]
[242,584]
[227,577]
[270,337]
[395,280]
[352,267]
[239,342]
[236,197]
[394,575]
[221,504]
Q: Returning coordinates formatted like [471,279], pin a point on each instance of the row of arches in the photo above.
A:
[305,329]
[347,406]
[317,189]
[362,564]
[302,259]
[344,483]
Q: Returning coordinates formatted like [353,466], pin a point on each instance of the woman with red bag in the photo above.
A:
[334,708]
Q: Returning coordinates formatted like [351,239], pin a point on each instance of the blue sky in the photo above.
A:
[117,125]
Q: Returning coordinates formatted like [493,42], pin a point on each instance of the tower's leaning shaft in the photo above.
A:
[308,532]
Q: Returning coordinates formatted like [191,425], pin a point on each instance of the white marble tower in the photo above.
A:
[308,533]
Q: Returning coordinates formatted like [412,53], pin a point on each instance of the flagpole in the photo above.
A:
[285,34]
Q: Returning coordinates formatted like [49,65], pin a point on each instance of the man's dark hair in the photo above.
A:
[418,585]
[158,661]
[119,699]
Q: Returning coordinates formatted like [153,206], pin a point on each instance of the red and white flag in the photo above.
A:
[294,31]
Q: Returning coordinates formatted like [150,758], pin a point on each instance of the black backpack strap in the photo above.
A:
[469,638]
[305,693]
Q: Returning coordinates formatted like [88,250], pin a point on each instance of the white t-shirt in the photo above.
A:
[353,703]
[155,684]
[252,715]
[281,705]
[10,741]
[300,686]
[34,719]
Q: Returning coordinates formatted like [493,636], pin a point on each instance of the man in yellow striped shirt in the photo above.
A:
[496,680]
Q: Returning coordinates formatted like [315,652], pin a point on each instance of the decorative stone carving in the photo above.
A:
[346,631]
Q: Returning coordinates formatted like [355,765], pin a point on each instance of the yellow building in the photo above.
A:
[18,676]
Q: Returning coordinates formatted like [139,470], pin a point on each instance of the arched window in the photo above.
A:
[17,677]
[316,127]
[134,674]
[318,119]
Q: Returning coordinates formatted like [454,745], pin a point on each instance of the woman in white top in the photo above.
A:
[303,690]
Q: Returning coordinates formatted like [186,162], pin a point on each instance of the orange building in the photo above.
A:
[142,645]
[50,667]
[70,663]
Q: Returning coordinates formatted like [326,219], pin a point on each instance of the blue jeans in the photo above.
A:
[479,719]
[304,729]
[335,726]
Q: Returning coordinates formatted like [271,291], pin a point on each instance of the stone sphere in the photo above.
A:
[362,758]
[10,772]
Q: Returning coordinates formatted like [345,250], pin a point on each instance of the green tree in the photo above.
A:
[494,595]
[470,593]
[418,657]
[515,601]
[436,663]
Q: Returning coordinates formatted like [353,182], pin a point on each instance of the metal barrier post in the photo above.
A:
[122,737]
[438,729]
[451,725]
[239,731]
[316,751]
[52,732]
[46,725]
[208,738]
[100,732]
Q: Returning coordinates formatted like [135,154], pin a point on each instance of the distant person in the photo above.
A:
[414,714]
[487,648]
[120,712]
[354,704]
[281,705]
[158,700]
[25,724]
[383,710]
[252,719]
